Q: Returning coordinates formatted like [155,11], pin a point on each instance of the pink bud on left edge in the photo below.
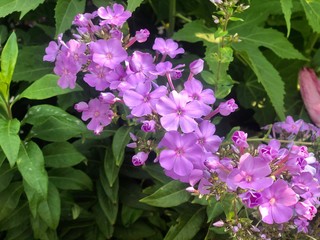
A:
[310,93]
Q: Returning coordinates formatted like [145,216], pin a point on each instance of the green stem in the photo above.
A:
[172,18]
[312,41]
[183,17]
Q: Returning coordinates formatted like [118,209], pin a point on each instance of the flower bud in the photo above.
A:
[140,158]
[142,35]
[148,126]
[196,66]
[225,108]
[310,93]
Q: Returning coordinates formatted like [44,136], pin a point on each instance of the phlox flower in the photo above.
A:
[108,53]
[99,113]
[67,70]
[251,173]
[140,158]
[51,52]
[148,126]
[206,138]
[251,198]
[139,67]
[167,47]
[97,77]
[176,110]
[278,202]
[142,100]
[271,151]
[306,209]
[180,152]
[291,126]
[194,89]
[225,108]
[239,139]
[113,16]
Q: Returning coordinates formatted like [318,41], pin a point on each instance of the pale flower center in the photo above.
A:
[109,56]
[272,201]
[96,113]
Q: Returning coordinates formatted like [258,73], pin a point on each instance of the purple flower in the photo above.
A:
[140,158]
[141,101]
[271,151]
[115,16]
[177,111]
[97,77]
[99,113]
[278,204]
[306,210]
[167,47]
[302,224]
[206,138]
[108,53]
[108,98]
[51,52]
[148,126]
[180,152]
[67,70]
[225,108]
[291,126]
[142,35]
[251,173]
[239,139]
[139,68]
[194,89]
[251,199]
[196,66]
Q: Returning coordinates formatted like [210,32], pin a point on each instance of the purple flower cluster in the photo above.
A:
[99,51]
[280,179]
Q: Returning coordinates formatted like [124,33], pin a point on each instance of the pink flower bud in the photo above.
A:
[310,93]
[239,139]
[196,66]
[142,35]
[225,108]
[140,158]
[149,126]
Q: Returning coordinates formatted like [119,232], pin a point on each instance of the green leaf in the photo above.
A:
[120,140]
[138,230]
[286,6]
[49,209]
[195,31]
[9,57]
[312,11]
[109,208]
[104,225]
[111,191]
[214,209]
[111,170]
[31,166]
[172,194]
[17,218]
[46,87]
[267,75]
[133,4]
[231,205]
[70,179]
[61,155]
[53,124]
[130,215]
[6,175]
[9,199]
[188,225]
[3,33]
[65,12]
[9,139]
[30,65]
[156,172]
[10,6]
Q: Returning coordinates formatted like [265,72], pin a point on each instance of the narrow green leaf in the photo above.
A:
[214,209]
[33,198]
[61,155]
[130,215]
[286,6]
[22,232]
[3,33]
[138,230]
[6,175]
[70,179]
[111,191]
[111,170]
[105,227]
[9,57]
[312,11]
[31,166]
[17,218]
[189,223]
[9,139]
[172,194]
[46,87]
[109,208]
[119,143]
[30,65]
[156,172]
[133,4]
[49,209]
[65,12]
[9,199]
